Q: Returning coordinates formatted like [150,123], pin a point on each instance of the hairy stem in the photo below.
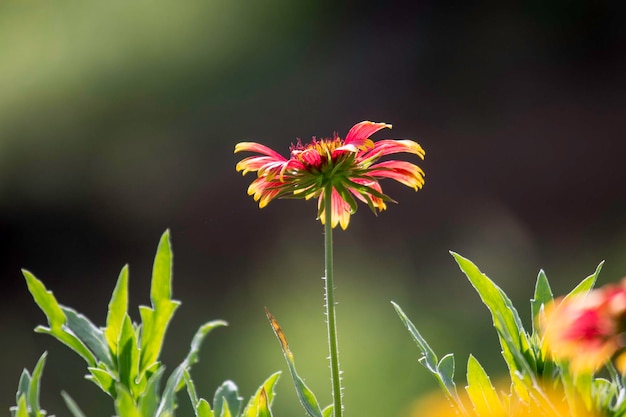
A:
[335,373]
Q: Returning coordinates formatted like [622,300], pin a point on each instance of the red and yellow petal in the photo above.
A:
[340,210]
[310,157]
[264,191]
[257,147]
[359,134]
[580,330]
[253,163]
[404,172]
[375,185]
[343,163]
[391,146]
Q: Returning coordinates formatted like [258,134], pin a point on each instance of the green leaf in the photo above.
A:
[161,288]
[56,318]
[45,300]
[305,395]
[128,355]
[149,399]
[71,405]
[203,409]
[154,326]
[167,404]
[22,386]
[430,359]
[125,404]
[480,390]
[328,411]
[506,318]
[22,407]
[198,338]
[225,411]
[191,389]
[227,398]
[443,370]
[543,296]
[267,388]
[168,399]
[118,308]
[89,334]
[28,390]
[586,284]
[70,340]
[513,337]
[34,384]
[103,379]
[263,409]
[155,320]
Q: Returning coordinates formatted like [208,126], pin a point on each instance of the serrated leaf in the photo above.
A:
[118,308]
[71,405]
[305,395]
[480,390]
[227,397]
[88,334]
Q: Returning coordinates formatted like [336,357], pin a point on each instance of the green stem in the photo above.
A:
[335,374]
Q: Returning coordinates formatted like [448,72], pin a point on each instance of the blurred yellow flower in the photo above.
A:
[552,404]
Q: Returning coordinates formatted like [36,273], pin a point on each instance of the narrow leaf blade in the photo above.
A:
[118,308]
[72,405]
[305,395]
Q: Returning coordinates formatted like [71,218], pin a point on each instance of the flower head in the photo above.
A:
[344,170]
[588,330]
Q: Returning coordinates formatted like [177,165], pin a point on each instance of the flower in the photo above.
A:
[335,168]
[545,402]
[588,329]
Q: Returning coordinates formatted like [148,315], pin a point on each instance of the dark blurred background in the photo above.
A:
[118,120]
